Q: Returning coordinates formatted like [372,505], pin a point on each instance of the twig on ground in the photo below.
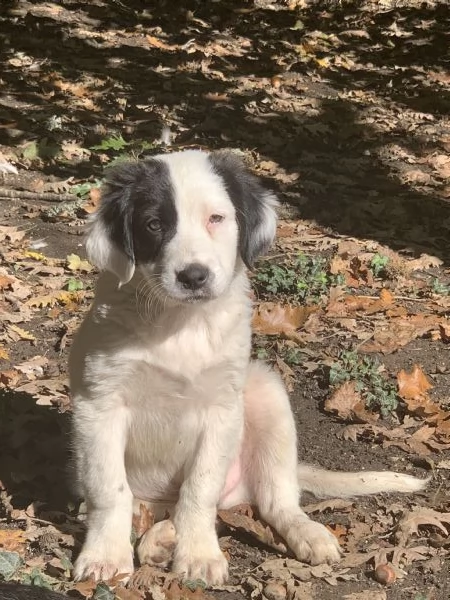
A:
[8,194]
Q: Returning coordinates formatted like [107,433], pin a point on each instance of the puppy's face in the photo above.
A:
[183,221]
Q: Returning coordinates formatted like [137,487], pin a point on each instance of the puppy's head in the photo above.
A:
[183,220]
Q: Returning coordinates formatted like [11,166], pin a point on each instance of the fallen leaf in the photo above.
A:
[270,318]
[157,43]
[17,333]
[349,405]
[13,234]
[333,504]
[425,261]
[241,518]
[75,263]
[142,521]
[420,516]
[13,540]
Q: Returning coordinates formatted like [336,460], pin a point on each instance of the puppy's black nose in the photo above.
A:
[194,276]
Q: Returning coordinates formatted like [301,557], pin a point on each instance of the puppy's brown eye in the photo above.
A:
[154,225]
[216,218]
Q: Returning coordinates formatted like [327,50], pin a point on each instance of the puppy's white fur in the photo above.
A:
[168,409]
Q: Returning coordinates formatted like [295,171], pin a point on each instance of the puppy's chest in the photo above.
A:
[189,349]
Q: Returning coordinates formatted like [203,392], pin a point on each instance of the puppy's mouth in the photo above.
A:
[192,297]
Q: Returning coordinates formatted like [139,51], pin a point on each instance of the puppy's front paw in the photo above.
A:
[103,561]
[157,544]
[313,543]
[201,561]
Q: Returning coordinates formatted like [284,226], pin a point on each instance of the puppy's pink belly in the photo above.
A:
[232,481]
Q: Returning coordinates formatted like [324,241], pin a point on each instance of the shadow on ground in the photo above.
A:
[205,69]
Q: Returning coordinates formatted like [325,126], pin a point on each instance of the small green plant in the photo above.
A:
[305,278]
[74,285]
[83,189]
[437,287]
[115,142]
[378,392]
[294,356]
[378,264]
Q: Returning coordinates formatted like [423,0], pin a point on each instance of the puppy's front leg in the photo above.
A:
[100,440]
[197,554]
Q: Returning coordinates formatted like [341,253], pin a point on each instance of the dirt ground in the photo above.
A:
[342,108]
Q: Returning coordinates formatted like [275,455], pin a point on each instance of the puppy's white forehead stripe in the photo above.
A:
[197,187]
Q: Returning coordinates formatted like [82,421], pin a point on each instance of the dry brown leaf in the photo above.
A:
[420,516]
[349,405]
[13,234]
[85,588]
[17,333]
[343,305]
[425,261]
[333,504]
[157,43]
[391,335]
[270,318]
[122,593]
[177,591]
[143,521]
[241,518]
[13,540]
[413,388]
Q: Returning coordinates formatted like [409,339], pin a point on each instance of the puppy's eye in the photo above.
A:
[154,225]
[216,218]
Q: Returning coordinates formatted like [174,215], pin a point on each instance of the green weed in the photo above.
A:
[83,189]
[74,285]
[378,392]
[115,142]
[437,287]
[378,264]
[306,278]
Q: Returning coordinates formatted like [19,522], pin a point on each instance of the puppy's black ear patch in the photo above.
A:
[110,240]
[254,205]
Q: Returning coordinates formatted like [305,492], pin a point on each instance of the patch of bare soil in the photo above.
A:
[343,109]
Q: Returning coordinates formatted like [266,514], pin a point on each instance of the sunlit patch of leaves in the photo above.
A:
[378,392]
[305,278]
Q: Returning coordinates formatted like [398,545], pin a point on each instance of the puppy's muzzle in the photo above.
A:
[194,277]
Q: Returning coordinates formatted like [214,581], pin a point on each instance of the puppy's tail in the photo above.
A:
[335,484]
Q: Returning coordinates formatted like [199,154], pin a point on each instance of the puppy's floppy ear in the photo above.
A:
[254,205]
[109,243]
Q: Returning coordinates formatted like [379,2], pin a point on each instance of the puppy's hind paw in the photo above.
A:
[311,542]
[157,545]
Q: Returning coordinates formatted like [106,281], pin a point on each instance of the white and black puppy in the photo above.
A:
[168,407]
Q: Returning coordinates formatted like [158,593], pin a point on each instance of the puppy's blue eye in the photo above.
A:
[216,218]
[154,225]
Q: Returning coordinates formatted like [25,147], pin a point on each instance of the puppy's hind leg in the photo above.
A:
[270,462]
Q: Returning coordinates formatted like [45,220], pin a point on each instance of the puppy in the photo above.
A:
[168,408]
